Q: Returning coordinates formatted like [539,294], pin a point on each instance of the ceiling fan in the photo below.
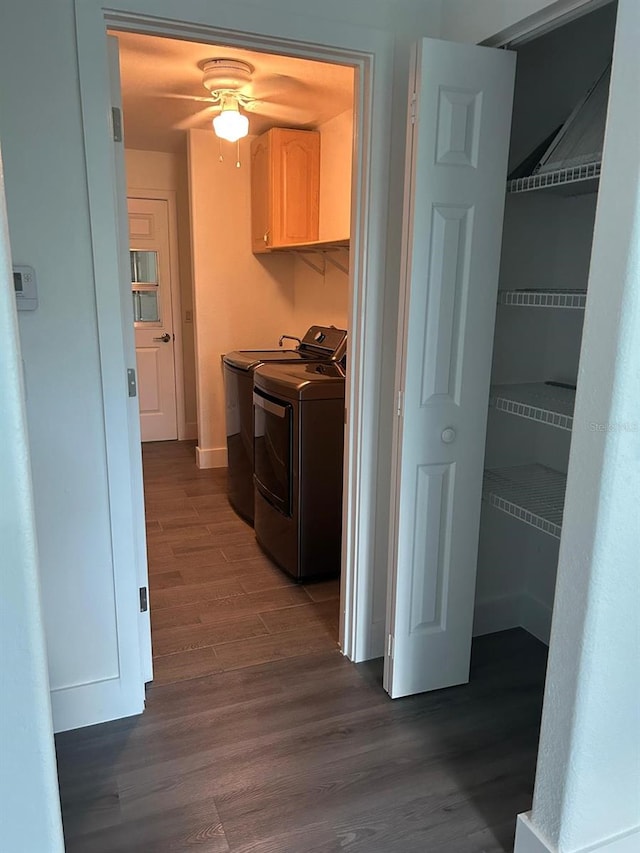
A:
[232,87]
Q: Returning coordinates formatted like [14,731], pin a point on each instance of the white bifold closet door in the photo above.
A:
[457,149]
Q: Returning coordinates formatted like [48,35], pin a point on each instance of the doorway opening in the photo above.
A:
[214,594]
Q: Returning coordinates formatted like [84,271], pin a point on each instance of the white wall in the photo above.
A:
[587,790]
[320,298]
[159,171]
[336,149]
[242,300]
[49,227]
[478,20]
[30,810]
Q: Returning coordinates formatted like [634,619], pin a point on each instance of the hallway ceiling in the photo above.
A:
[163,95]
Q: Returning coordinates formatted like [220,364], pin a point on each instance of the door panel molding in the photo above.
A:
[456,163]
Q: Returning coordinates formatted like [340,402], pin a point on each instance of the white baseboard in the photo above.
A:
[211,457]
[519,610]
[81,705]
[529,840]
[535,617]
[627,842]
[497,614]
[190,432]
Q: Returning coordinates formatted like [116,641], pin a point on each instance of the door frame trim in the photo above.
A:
[170,196]
[365,49]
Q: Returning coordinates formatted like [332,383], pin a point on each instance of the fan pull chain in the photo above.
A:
[220,157]
[237,154]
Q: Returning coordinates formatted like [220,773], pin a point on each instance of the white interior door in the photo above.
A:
[153,317]
[455,189]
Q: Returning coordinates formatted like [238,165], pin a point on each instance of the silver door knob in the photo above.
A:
[164,338]
[448,435]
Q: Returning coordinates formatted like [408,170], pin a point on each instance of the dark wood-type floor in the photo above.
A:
[307,754]
[217,602]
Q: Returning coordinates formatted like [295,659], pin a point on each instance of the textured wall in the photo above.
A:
[30,812]
[588,779]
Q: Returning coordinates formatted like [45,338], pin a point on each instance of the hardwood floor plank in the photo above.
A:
[223,515]
[185,665]
[188,614]
[248,551]
[210,486]
[168,561]
[252,603]
[210,502]
[323,617]
[197,593]
[314,838]
[158,549]
[173,830]
[258,575]
[168,505]
[287,644]
[324,590]
[186,637]
[166,580]
[246,571]
[192,533]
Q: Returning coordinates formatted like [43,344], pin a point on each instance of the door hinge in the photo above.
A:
[400,403]
[412,108]
[389,645]
[144,603]
[116,123]
[131,382]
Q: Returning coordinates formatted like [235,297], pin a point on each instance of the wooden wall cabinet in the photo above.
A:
[285,188]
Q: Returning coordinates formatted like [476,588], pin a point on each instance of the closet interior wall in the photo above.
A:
[546,246]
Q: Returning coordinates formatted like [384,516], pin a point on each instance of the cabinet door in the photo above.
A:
[456,164]
[261,192]
[296,186]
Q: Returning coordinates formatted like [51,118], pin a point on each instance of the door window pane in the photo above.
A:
[145,306]
[144,266]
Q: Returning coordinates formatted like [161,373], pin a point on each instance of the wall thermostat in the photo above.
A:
[24,283]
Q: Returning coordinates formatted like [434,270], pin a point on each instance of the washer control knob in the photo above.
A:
[448,435]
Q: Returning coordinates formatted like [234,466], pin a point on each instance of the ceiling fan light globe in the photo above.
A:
[231,125]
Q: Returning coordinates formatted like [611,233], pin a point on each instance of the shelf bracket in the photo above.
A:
[320,269]
[336,262]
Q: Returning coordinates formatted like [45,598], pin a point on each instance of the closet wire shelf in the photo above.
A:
[557,178]
[534,494]
[543,298]
[536,401]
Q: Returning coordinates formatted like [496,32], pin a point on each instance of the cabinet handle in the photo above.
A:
[265,237]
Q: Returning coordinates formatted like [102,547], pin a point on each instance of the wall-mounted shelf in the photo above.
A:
[333,252]
[532,493]
[536,401]
[578,180]
[543,298]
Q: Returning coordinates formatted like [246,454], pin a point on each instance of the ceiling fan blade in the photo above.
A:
[275,86]
[204,99]
[282,112]
[196,119]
